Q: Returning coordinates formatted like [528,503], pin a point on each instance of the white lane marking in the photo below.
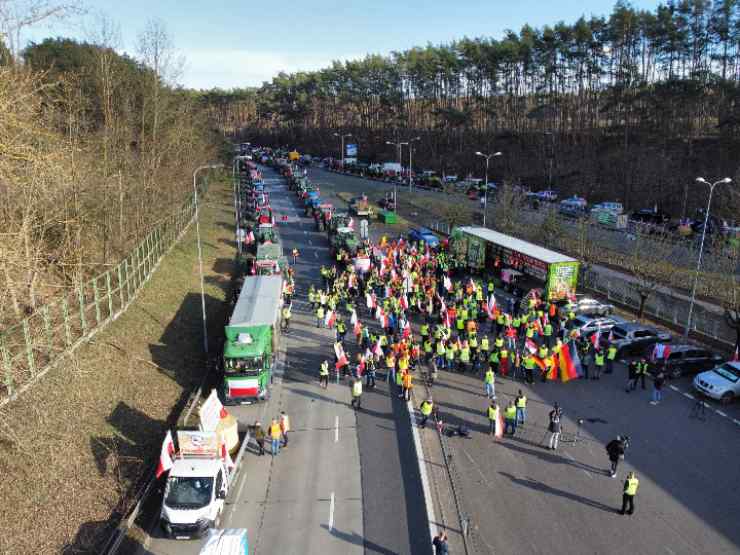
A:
[674,388]
[315,254]
[331,513]
[305,232]
[310,242]
[688,395]
[736,421]
[720,413]
[583,469]
[336,429]
[422,470]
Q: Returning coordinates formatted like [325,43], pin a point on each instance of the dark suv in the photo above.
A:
[632,339]
[684,360]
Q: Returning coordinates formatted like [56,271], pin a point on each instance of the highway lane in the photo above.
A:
[525,498]
[348,482]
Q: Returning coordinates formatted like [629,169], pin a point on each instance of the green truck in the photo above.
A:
[269,260]
[252,338]
[486,251]
[344,240]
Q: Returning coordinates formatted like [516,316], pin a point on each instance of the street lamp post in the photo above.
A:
[200,251]
[411,159]
[342,138]
[399,146]
[485,192]
[701,247]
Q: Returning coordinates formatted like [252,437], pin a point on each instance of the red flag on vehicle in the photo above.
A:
[165,457]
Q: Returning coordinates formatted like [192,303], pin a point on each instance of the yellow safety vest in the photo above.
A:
[632,485]
[484,344]
[357,388]
[492,413]
[324,368]
[426,408]
[612,354]
[490,376]
[510,413]
[521,402]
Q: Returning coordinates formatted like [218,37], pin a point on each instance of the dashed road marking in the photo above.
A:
[736,421]
[310,242]
[688,395]
[720,413]
[571,457]
[674,388]
[336,429]
[315,254]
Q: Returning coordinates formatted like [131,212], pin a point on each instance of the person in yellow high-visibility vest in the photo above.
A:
[490,383]
[521,408]
[427,406]
[356,393]
[628,494]
[275,435]
[492,417]
[510,418]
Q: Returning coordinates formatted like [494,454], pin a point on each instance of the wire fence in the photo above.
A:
[31,347]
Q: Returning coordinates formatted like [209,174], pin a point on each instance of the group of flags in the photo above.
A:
[565,363]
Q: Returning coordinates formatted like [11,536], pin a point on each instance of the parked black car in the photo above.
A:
[684,360]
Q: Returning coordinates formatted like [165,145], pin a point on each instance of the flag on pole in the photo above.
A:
[341,357]
[406,330]
[353,318]
[378,349]
[404,302]
[499,431]
[165,457]
[351,223]
[567,366]
[596,340]
[226,457]
[530,345]
[369,301]
[447,283]
[491,306]
[358,328]
[330,318]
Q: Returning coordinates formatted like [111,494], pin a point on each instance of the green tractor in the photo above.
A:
[344,240]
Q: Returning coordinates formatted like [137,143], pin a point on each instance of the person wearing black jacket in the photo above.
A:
[615,449]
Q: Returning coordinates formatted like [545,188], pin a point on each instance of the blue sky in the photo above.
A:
[243,43]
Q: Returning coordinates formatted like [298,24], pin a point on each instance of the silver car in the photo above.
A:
[721,383]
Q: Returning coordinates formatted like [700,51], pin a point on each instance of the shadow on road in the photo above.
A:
[540,486]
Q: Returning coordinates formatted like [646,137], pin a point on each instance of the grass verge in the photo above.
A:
[74,448]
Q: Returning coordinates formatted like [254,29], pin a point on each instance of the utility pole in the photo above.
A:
[485,192]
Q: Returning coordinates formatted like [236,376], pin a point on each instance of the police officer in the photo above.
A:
[628,495]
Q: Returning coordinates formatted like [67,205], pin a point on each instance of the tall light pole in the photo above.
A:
[411,157]
[485,192]
[200,251]
[399,146]
[342,138]
[701,247]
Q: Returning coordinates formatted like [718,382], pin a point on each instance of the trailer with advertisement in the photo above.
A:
[520,264]
[252,340]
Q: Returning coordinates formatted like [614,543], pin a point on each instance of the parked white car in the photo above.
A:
[721,383]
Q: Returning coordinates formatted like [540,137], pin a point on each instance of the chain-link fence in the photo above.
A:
[31,347]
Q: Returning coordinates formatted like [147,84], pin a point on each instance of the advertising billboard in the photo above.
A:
[562,280]
[350,150]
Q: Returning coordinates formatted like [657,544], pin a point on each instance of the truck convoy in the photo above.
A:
[252,339]
[205,464]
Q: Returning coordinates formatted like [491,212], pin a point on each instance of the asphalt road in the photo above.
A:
[348,481]
[523,498]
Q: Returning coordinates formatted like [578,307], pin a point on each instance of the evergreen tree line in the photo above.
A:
[630,107]
[97,148]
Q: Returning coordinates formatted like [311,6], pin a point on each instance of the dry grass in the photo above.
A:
[73,448]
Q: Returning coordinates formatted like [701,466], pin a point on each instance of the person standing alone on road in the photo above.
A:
[658,388]
[554,428]
[356,393]
[615,449]
[490,381]
[324,374]
[492,417]
[630,491]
